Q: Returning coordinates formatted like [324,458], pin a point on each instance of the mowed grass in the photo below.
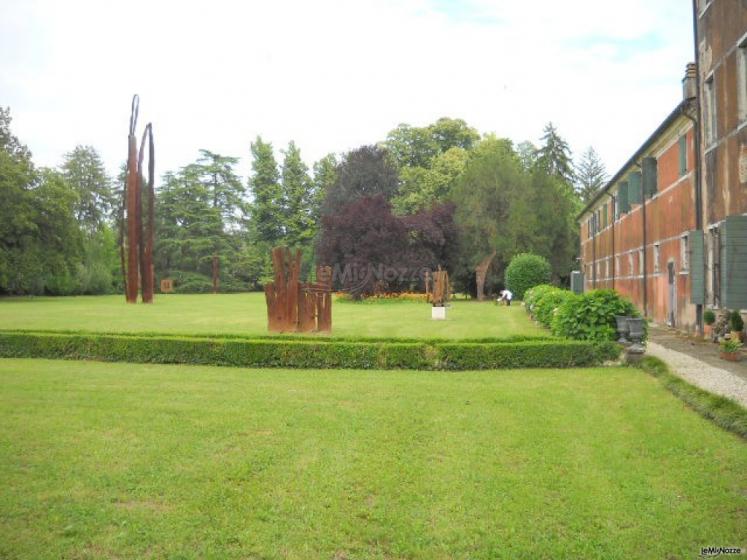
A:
[247,314]
[145,461]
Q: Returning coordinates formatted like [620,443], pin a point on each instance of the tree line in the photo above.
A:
[439,195]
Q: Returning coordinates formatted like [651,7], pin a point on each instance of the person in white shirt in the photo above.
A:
[506,297]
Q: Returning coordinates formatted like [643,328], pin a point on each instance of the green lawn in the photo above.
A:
[247,314]
[143,461]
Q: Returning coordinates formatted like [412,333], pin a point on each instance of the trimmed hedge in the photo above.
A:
[305,353]
[727,413]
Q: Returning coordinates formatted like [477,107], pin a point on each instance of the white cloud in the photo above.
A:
[335,75]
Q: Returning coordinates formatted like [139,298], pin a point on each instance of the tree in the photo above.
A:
[10,143]
[361,241]
[591,175]
[364,172]
[422,188]
[325,175]
[267,196]
[85,173]
[298,199]
[527,153]
[502,207]
[453,133]
[554,156]
[411,146]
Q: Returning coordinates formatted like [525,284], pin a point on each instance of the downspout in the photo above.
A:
[645,259]
[612,233]
[698,166]
[594,255]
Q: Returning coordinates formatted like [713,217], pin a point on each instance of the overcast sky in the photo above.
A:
[334,75]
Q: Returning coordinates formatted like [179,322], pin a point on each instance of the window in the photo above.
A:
[684,253]
[607,268]
[742,80]
[710,111]
[631,268]
[615,208]
[683,155]
[640,261]
[657,256]
[617,266]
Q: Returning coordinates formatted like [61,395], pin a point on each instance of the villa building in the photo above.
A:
[669,230]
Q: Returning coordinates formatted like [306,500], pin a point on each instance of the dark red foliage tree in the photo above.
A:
[371,250]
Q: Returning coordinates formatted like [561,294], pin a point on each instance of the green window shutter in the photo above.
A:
[734,262]
[683,155]
[622,192]
[604,216]
[697,266]
[634,188]
[649,166]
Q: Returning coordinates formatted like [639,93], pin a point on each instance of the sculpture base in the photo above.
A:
[438,313]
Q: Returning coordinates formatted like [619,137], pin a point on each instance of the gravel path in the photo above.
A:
[699,373]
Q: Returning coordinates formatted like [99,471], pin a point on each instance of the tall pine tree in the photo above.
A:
[554,156]
[297,198]
[85,173]
[591,175]
[267,196]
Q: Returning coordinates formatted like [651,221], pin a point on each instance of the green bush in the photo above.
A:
[735,321]
[591,316]
[306,353]
[709,317]
[545,300]
[532,295]
[525,271]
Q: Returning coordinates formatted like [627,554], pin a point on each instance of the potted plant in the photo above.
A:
[730,350]
[737,325]
[709,317]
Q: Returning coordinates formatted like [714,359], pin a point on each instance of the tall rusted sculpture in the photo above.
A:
[136,243]
[295,306]
[440,288]
[481,272]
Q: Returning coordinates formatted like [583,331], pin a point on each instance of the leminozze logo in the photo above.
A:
[713,551]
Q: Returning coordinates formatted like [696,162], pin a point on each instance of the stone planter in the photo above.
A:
[438,313]
[622,329]
[707,332]
[731,356]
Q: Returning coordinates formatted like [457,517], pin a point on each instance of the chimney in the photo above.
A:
[689,88]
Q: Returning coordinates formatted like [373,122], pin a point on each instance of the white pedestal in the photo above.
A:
[438,313]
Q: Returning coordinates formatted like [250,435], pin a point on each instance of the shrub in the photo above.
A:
[591,316]
[548,302]
[525,271]
[735,321]
[709,317]
[306,353]
[532,295]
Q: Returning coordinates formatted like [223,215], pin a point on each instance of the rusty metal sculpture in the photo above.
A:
[481,273]
[134,242]
[440,296]
[295,306]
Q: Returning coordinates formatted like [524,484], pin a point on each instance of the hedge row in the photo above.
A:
[321,338]
[306,354]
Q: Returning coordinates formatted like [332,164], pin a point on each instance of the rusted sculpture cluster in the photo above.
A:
[295,306]
[136,237]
